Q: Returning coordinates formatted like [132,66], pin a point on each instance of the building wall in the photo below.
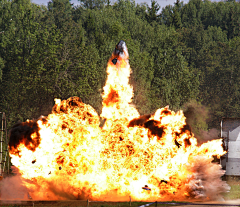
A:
[230,131]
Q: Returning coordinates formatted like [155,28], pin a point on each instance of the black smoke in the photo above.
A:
[151,125]
[26,133]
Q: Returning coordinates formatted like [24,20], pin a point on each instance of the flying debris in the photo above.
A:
[29,196]
[120,51]
[177,143]
[163,181]
[146,187]
[120,47]
[114,61]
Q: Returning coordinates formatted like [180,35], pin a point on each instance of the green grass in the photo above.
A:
[234,183]
[126,204]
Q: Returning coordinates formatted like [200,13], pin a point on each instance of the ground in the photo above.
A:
[231,198]
[234,183]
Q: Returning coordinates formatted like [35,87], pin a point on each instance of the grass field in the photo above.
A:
[234,183]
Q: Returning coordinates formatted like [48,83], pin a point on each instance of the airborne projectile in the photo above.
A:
[120,51]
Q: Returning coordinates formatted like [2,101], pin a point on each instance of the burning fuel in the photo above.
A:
[67,155]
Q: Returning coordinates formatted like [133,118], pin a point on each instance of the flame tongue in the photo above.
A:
[70,157]
[118,93]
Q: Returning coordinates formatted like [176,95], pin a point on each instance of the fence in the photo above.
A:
[4,155]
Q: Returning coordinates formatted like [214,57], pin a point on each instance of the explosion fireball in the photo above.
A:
[70,155]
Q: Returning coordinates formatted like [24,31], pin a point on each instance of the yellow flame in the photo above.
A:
[77,158]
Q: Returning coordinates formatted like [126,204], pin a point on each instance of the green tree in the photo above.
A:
[94,4]
[171,15]
[174,83]
[61,11]
[19,44]
[152,12]
[192,12]
[177,22]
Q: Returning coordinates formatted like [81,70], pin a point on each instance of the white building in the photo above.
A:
[230,131]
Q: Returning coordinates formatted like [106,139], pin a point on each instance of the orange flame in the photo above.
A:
[77,159]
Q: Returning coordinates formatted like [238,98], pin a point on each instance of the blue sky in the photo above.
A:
[162,3]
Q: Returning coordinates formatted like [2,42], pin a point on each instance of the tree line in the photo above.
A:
[183,55]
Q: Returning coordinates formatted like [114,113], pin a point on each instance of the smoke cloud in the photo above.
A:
[197,116]
[12,188]
[206,182]
[26,133]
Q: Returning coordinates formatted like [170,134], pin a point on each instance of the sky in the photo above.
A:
[161,3]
